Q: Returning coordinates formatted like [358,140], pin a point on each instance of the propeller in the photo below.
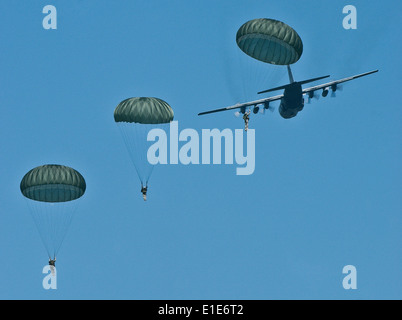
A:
[312,94]
[256,109]
[334,89]
[266,106]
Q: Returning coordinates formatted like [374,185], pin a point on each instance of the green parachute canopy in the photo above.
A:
[143,110]
[270,41]
[53,183]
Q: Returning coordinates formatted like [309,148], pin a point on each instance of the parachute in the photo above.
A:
[51,191]
[135,117]
[270,41]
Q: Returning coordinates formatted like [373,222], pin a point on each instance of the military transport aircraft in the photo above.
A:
[292,99]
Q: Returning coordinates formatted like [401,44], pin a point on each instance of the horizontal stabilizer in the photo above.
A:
[274,89]
[299,82]
[212,111]
[312,80]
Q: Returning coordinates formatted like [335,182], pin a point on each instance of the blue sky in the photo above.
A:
[325,192]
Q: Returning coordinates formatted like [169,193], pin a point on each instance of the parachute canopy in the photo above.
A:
[53,183]
[143,110]
[270,41]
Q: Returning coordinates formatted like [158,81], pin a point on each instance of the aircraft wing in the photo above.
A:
[243,106]
[333,84]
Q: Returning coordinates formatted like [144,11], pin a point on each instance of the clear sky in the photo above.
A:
[326,191]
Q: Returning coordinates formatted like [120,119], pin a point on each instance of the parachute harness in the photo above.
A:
[144,191]
[52,264]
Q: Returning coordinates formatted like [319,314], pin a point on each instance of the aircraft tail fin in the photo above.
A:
[291,80]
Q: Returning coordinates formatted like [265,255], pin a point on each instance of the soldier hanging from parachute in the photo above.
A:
[135,117]
[52,192]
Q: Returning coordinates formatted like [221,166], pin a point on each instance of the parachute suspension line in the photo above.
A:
[255,74]
[52,221]
[138,150]
[143,132]
[42,220]
[135,139]
[68,211]
[61,224]
[129,142]
[242,75]
[39,226]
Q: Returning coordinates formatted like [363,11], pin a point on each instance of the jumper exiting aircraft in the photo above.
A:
[275,42]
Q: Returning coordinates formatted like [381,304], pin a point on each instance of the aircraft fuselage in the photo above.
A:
[292,101]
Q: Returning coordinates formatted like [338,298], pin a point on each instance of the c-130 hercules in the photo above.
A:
[275,42]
